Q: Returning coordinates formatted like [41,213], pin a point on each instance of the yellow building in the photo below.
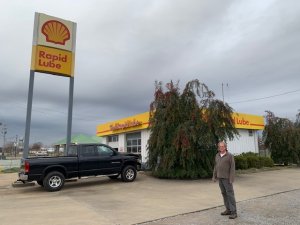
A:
[131,134]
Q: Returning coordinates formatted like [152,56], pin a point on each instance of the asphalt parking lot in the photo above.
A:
[277,209]
[270,197]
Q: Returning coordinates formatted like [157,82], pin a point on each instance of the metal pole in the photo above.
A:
[70,110]
[17,144]
[3,143]
[223,92]
[4,131]
[28,116]
[2,147]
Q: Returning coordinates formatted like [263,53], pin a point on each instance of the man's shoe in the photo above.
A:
[233,216]
[225,213]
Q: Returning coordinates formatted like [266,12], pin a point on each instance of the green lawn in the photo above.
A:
[11,170]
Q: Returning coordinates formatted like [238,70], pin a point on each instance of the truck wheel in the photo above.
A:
[128,174]
[54,181]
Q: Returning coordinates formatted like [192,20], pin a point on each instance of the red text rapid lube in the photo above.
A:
[51,60]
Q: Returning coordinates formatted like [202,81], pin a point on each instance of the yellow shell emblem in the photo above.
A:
[56,32]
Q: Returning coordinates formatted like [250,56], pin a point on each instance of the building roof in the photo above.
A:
[80,139]
[141,121]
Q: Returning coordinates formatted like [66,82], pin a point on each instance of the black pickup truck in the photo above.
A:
[81,160]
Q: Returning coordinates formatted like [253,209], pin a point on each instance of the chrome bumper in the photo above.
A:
[23,177]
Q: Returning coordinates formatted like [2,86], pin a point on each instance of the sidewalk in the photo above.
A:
[97,201]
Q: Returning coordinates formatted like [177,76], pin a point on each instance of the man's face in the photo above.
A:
[222,148]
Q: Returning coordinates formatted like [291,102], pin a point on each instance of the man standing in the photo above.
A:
[224,171]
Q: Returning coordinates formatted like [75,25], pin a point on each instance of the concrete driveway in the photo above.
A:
[97,201]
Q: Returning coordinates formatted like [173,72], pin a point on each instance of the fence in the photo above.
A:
[9,163]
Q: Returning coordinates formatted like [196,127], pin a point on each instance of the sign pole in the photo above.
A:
[70,111]
[28,115]
[53,52]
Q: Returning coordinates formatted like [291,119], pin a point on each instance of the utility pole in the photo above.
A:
[16,146]
[2,147]
[4,132]
[20,144]
[223,91]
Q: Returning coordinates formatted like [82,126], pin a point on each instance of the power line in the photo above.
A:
[271,96]
[48,112]
[76,116]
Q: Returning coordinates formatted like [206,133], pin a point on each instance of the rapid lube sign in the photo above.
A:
[53,52]
[55,61]
[53,49]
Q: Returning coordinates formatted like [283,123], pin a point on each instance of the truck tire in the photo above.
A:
[128,173]
[54,181]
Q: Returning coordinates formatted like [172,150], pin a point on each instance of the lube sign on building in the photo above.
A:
[53,49]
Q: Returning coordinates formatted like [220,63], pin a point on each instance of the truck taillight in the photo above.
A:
[26,167]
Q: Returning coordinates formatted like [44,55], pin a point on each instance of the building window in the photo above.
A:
[250,133]
[133,141]
[113,138]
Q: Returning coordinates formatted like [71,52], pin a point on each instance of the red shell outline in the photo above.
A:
[56,42]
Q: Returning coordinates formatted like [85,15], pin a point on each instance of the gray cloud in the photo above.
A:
[123,47]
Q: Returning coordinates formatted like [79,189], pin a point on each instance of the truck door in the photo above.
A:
[109,161]
[89,161]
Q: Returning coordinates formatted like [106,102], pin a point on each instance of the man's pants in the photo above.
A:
[228,194]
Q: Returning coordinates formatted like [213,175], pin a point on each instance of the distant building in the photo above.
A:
[60,146]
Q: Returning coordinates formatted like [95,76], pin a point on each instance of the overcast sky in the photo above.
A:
[124,46]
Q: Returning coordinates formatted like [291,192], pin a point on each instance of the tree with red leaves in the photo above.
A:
[185,129]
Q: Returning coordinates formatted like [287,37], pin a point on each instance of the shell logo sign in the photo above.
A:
[53,49]
[56,32]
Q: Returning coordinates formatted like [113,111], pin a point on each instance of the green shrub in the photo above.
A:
[252,160]
[266,161]
[247,154]
[11,170]
[241,162]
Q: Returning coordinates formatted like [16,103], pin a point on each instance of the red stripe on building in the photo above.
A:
[259,125]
